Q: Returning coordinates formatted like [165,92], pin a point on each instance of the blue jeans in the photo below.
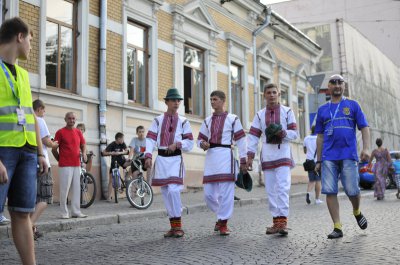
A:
[346,170]
[21,186]
[313,176]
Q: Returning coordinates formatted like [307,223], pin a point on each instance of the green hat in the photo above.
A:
[244,181]
[173,93]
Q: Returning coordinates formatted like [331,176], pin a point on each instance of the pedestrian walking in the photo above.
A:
[217,134]
[380,169]
[71,145]
[20,146]
[171,134]
[117,150]
[337,151]
[276,126]
[396,165]
[314,177]
[44,181]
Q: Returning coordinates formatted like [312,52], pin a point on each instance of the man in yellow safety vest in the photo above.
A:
[21,153]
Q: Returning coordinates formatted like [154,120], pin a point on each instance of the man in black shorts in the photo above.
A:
[116,150]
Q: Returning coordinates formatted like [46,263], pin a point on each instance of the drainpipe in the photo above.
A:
[103,97]
[255,33]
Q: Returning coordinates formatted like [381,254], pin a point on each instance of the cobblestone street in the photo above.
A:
[141,241]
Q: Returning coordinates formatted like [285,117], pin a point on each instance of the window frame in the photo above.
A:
[266,80]
[233,97]
[146,53]
[286,88]
[75,35]
[202,70]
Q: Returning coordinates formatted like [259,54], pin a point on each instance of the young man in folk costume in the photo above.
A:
[276,125]
[217,134]
[171,134]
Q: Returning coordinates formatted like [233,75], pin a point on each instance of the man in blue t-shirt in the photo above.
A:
[337,151]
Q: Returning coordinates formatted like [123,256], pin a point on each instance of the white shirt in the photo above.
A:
[310,143]
[44,131]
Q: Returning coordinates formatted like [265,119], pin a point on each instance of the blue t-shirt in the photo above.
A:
[342,144]
[396,164]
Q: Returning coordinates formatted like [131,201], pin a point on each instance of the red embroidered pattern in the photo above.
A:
[163,182]
[218,178]
[256,132]
[217,127]
[273,115]
[152,135]
[168,129]
[202,137]
[276,163]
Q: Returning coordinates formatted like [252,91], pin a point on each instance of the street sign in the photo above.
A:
[316,81]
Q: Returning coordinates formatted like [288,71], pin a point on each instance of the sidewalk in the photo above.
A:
[102,212]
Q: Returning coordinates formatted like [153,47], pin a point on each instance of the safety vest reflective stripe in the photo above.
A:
[13,109]
[16,127]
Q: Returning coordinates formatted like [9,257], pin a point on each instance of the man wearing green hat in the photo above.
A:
[171,134]
[276,126]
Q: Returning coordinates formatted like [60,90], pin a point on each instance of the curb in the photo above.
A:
[107,219]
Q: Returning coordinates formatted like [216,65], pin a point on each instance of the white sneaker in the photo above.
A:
[318,201]
[4,220]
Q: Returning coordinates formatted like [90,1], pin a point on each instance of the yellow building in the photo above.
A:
[150,46]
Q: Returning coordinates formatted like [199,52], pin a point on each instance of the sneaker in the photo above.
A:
[318,201]
[64,216]
[308,198]
[236,198]
[336,233]
[361,221]
[4,220]
[170,233]
[224,231]
[81,215]
[178,233]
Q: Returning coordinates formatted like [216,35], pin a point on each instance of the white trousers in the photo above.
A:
[219,197]
[172,199]
[277,186]
[69,178]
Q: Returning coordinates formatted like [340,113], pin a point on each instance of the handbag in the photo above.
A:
[309,165]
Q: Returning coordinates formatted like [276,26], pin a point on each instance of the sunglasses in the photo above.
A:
[336,81]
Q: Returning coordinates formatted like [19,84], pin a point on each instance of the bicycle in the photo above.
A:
[118,183]
[88,186]
[138,191]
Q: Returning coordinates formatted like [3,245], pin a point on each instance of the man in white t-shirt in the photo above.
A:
[45,181]
[310,147]
[137,146]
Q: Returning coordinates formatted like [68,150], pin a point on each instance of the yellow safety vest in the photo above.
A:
[11,133]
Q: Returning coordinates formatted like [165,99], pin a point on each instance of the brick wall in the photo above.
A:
[222,48]
[93,70]
[165,73]
[114,10]
[30,14]
[114,61]
[229,25]
[94,7]
[164,26]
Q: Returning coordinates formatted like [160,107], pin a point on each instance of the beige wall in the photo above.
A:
[30,14]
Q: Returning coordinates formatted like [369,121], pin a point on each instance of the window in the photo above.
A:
[263,82]
[301,116]
[138,61]
[60,44]
[193,81]
[284,95]
[236,86]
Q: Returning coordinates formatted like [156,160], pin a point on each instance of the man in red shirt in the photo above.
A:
[71,143]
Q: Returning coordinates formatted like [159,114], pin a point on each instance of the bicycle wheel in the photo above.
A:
[139,193]
[116,187]
[88,190]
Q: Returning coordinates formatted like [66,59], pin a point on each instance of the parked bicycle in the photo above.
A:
[88,186]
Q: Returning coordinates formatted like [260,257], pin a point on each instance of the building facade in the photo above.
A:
[151,46]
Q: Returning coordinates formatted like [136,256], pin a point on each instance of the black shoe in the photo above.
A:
[336,233]
[236,198]
[361,221]
[308,198]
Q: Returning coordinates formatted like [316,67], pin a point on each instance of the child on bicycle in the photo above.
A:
[138,146]
[117,149]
